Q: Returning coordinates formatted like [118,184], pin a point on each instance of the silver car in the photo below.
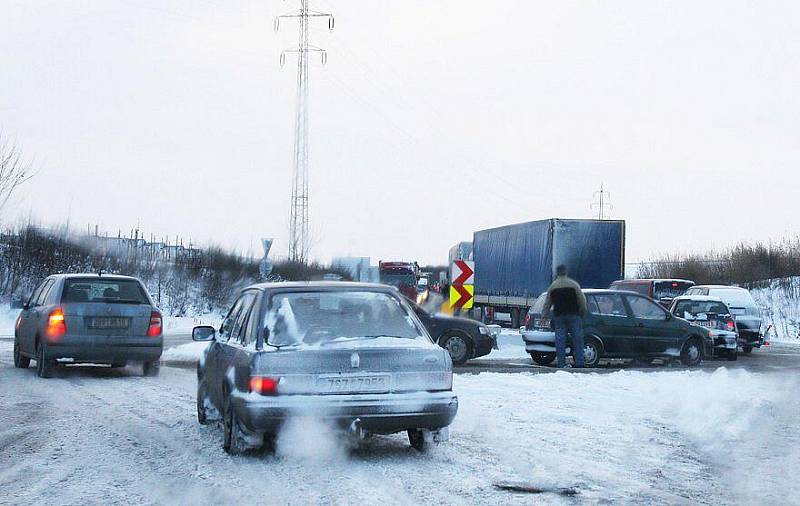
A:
[352,354]
[88,318]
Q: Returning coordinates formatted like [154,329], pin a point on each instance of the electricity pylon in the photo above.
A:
[602,206]
[298,215]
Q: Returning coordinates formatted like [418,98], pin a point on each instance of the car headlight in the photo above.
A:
[483,330]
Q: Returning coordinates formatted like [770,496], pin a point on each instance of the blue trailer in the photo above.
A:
[514,264]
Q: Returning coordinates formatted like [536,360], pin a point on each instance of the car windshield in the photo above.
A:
[318,318]
[98,290]
[691,309]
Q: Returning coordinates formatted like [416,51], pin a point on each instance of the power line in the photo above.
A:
[298,213]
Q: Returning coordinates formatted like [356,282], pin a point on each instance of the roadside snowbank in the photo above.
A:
[782,302]
[654,437]
[190,352]
[511,346]
[8,318]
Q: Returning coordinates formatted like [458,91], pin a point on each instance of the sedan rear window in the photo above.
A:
[98,290]
[317,318]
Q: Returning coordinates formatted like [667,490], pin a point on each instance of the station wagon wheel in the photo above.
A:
[692,353]
[20,361]
[458,348]
[44,368]
[417,440]
[592,351]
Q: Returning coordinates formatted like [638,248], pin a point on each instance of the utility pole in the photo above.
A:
[298,214]
[602,204]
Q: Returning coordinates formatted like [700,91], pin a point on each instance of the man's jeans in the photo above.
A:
[572,324]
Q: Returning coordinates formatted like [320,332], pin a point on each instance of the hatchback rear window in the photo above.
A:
[110,291]
[317,318]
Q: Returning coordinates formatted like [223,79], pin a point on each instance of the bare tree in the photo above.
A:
[13,169]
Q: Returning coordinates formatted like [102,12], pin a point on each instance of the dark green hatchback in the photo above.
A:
[620,324]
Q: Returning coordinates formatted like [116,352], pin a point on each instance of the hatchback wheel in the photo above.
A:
[151,368]
[456,345]
[692,353]
[542,358]
[44,368]
[20,361]
[592,351]
[417,440]
[747,350]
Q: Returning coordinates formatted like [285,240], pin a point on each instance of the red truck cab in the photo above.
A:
[403,275]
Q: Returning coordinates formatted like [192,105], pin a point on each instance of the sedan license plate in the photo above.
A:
[108,323]
[708,323]
[342,384]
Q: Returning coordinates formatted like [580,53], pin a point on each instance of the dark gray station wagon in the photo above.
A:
[88,318]
[352,354]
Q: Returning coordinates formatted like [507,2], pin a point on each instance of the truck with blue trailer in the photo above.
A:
[514,264]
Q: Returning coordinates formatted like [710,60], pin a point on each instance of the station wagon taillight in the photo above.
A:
[56,324]
[154,330]
[264,385]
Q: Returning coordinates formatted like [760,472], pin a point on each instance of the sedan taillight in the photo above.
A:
[155,328]
[56,324]
[264,385]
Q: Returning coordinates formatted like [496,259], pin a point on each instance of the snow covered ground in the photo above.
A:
[93,436]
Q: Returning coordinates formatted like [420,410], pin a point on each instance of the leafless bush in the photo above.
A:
[13,169]
[747,264]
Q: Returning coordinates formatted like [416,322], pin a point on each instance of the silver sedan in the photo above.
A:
[352,354]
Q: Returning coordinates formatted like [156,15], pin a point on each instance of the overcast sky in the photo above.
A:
[431,119]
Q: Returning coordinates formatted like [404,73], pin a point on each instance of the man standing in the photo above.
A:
[568,304]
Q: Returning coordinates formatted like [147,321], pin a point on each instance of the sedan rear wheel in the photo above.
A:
[542,358]
[20,361]
[456,345]
[692,353]
[44,367]
[234,441]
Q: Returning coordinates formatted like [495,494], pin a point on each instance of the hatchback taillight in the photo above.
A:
[155,328]
[56,324]
[264,385]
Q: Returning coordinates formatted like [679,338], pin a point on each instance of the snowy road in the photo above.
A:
[93,436]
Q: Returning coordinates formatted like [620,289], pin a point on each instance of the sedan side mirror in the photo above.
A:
[204,333]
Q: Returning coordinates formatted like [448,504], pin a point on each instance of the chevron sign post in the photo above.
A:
[462,288]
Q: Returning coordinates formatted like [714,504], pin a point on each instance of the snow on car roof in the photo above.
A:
[699,297]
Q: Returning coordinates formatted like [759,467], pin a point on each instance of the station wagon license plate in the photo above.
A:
[108,323]
[708,323]
[342,384]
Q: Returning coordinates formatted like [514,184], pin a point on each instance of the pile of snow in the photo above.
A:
[511,346]
[185,324]
[190,352]
[8,318]
[781,300]
[664,437]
